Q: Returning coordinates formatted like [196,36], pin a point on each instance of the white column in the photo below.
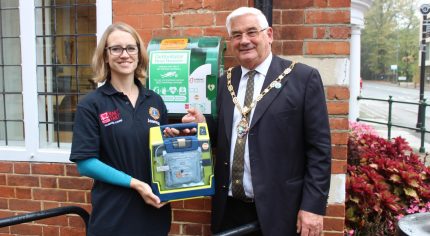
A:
[358,8]
[354,83]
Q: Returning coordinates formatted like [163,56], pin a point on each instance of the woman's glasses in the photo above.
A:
[118,50]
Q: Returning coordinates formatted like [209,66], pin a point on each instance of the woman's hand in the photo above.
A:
[146,192]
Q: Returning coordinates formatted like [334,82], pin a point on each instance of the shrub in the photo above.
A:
[385,181]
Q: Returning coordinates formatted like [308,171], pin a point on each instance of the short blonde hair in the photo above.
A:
[99,62]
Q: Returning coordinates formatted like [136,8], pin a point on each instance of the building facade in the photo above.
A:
[46,47]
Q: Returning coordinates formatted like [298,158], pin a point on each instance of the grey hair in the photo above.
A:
[244,11]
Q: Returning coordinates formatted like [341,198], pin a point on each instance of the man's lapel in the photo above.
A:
[229,105]
[276,68]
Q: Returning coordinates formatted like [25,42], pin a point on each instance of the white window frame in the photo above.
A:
[31,151]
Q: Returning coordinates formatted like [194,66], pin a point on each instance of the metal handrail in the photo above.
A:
[38,215]
[422,104]
[241,230]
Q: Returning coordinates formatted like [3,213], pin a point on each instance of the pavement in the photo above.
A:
[411,136]
[414,142]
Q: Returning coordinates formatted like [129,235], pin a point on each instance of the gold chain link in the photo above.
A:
[244,111]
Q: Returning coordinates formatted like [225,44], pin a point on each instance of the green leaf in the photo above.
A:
[374,166]
[350,214]
[411,192]
[395,178]
[414,183]
[355,199]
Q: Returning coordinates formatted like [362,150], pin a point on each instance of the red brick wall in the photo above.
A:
[28,187]
[314,28]
[337,104]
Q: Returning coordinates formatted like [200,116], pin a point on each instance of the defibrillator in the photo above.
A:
[182,166]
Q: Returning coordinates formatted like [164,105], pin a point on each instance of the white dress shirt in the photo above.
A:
[258,84]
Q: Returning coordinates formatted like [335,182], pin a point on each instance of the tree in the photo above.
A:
[390,37]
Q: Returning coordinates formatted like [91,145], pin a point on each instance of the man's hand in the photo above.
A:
[193,115]
[309,224]
[146,192]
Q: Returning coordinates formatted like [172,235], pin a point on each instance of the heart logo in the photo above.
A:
[172,90]
[211,87]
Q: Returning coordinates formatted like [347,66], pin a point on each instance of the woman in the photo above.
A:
[110,139]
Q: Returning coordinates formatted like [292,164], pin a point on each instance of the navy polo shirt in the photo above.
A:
[108,127]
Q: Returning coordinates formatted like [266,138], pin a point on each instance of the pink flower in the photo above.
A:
[410,211]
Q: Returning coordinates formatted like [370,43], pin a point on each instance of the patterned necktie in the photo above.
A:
[239,148]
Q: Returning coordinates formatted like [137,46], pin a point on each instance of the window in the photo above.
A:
[65,40]
[11,113]
[45,54]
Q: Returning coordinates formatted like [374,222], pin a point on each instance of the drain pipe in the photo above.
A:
[266,6]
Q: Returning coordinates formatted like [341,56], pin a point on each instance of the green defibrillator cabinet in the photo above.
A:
[185,71]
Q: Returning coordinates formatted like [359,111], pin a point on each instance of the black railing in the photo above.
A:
[422,129]
[241,230]
[24,218]
[38,215]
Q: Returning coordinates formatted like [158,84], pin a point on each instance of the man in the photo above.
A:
[282,136]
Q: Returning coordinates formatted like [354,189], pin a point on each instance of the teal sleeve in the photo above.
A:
[98,170]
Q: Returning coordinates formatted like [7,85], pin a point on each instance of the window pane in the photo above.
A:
[66,134]
[86,83]
[2,133]
[86,20]
[15,133]
[11,133]
[65,50]
[44,25]
[65,24]
[8,23]
[14,107]
[67,109]
[44,51]
[12,79]
[86,47]
[86,1]
[65,81]
[2,110]
[1,78]
[43,109]
[51,137]
[8,3]
[46,132]
[64,2]
[11,51]
[45,76]
[47,107]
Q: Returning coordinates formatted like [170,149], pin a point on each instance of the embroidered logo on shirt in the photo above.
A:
[154,113]
[153,122]
[110,117]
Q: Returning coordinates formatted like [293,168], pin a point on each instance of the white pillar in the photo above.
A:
[354,83]
[358,8]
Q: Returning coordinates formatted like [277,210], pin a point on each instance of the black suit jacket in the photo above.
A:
[289,148]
